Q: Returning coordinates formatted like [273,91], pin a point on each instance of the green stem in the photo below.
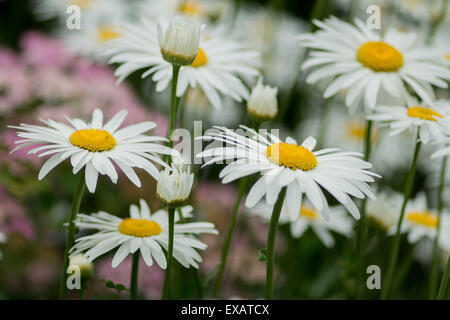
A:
[395,249]
[271,243]
[436,23]
[134,276]
[362,225]
[70,234]
[166,288]
[444,281]
[434,264]
[226,246]
[198,283]
[324,123]
[173,102]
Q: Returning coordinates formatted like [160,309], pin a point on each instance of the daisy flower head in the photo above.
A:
[385,209]
[86,267]
[308,217]
[95,146]
[219,65]
[179,42]
[192,10]
[420,221]
[99,26]
[287,164]
[370,67]
[143,231]
[262,104]
[432,120]
[174,185]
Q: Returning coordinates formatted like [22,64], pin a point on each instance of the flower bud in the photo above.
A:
[179,43]
[86,267]
[262,105]
[174,185]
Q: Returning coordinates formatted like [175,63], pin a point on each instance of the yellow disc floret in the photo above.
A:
[94,140]
[190,7]
[139,227]
[105,34]
[379,56]
[200,59]
[423,113]
[308,213]
[291,156]
[424,218]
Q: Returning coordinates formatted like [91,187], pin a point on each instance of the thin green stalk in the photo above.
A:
[166,288]
[362,225]
[197,275]
[226,246]
[444,282]
[134,276]
[394,253]
[437,22]
[324,123]
[173,102]
[434,263]
[271,243]
[198,283]
[70,234]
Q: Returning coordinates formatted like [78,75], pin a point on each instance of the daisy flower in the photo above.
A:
[287,164]
[370,67]
[220,64]
[271,32]
[348,132]
[194,10]
[385,209]
[174,185]
[98,27]
[95,146]
[421,222]
[432,122]
[143,231]
[308,217]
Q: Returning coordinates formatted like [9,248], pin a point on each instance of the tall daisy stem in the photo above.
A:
[134,276]
[394,252]
[271,243]
[166,288]
[226,246]
[444,282]
[70,234]
[173,101]
[362,225]
[434,264]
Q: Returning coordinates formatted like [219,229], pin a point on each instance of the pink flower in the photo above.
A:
[41,51]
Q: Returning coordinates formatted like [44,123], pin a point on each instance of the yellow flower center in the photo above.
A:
[423,113]
[83,4]
[190,7]
[105,34]
[308,213]
[139,227]
[291,156]
[357,131]
[200,59]
[423,218]
[447,56]
[94,140]
[379,56]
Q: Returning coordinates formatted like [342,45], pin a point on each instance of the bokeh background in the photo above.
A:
[46,72]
